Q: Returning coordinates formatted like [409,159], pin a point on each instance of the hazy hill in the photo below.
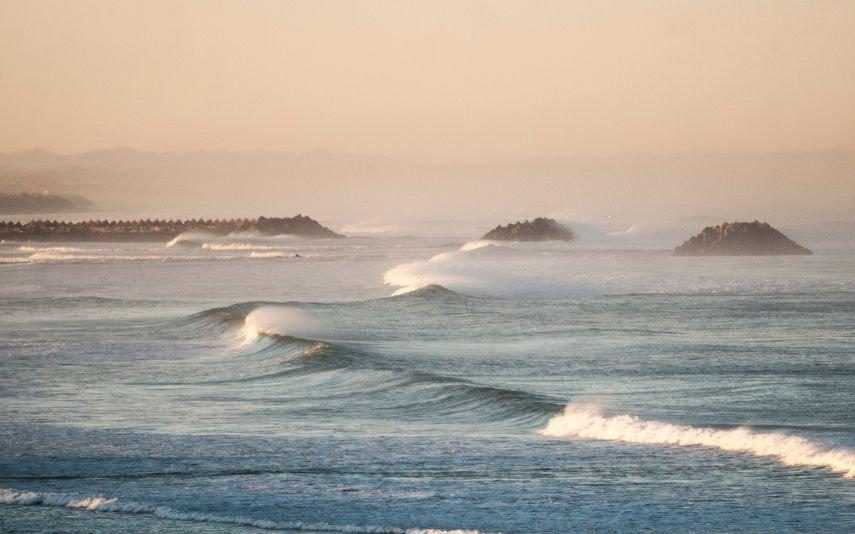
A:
[45,202]
[789,188]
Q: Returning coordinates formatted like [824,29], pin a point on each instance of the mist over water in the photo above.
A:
[406,375]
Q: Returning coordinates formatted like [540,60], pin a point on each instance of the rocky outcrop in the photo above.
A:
[159,230]
[740,239]
[540,229]
[300,225]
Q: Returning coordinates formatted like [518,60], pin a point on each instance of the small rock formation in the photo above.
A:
[300,225]
[540,229]
[740,239]
[159,230]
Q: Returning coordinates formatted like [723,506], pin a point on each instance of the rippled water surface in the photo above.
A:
[391,385]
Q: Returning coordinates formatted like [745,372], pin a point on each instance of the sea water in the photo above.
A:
[422,385]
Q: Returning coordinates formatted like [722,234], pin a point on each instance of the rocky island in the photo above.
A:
[159,230]
[540,229]
[740,239]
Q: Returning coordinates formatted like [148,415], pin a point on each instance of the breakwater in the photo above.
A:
[159,229]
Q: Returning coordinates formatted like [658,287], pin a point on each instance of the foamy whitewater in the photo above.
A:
[587,422]
[246,383]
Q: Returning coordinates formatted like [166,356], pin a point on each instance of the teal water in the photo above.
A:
[393,385]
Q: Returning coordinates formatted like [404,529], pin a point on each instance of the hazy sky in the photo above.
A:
[432,81]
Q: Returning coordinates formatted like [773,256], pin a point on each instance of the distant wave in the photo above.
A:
[294,319]
[478,243]
[268,255]
[97,256]
[479,267]
[255,236]
[190,239]
[233,241]
[259,246]
[58,257]
[112,504]
[239,311]
[432,272]
[238,246]
[587,422]
[560,271]
[373,227]
[27,248]
[431,292]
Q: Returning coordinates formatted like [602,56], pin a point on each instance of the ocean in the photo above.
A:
[423,385]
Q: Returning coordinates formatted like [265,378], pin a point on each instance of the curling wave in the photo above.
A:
[288,343]
[588,422]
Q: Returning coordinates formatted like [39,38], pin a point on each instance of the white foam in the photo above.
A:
[587,422]
[262,255]
[104,504]
[478,243]
[99,257]
[281,321]
[261,237]
[437,270]
[239,246]
[444,269]
[26,248]
[190,238]
[58,257]
[373,227]
[484,268]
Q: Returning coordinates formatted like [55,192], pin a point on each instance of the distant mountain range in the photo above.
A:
[784,187]
[46,202]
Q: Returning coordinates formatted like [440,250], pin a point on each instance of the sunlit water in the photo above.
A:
[226,385]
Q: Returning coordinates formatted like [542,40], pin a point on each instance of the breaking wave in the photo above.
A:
[439,270]
[238,246]
[27,248]
[478,243]
[267,255]
[290,343]
[553,270]
[281,321]
[57,257]
[588,422]
[112,504]
[190,240]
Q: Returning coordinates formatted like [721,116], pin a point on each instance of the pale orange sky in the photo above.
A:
[430,81]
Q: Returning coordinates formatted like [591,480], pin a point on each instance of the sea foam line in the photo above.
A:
[587,422]
[104,504]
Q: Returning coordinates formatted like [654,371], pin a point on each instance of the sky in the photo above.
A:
[435,82]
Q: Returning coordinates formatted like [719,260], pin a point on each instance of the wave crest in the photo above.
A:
[587,422]
[281,321]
